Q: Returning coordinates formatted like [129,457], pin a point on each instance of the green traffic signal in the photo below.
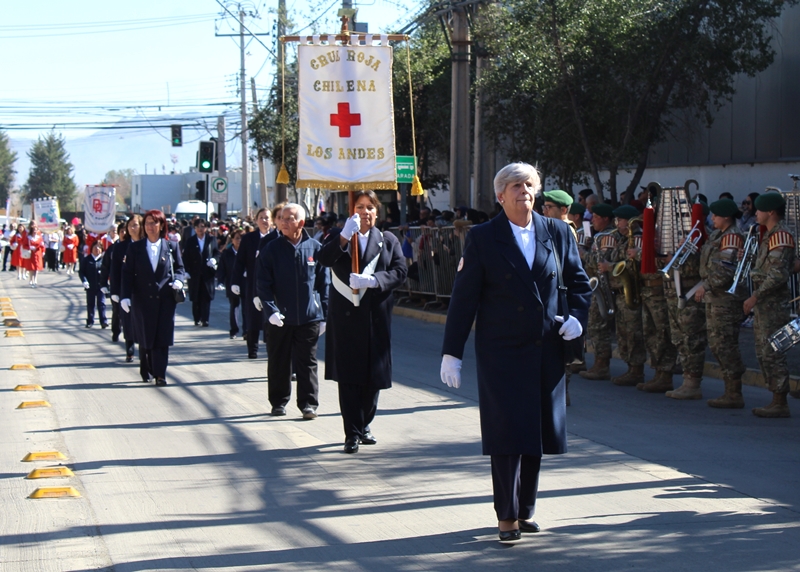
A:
[177,135]
[205,157]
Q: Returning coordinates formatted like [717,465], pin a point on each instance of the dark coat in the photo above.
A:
[359,345]
[201,275]
[150,293]
[227,261]
[517,345]
[91,271]
[244,275]
[290,280]
[117,259]
[105,273]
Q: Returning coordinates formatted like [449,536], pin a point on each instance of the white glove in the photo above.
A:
[212,263]
[15,246]
[257,303]
[115,298]
[235,289]
[571,329]
[358,281]
[104,290]
[451,371]
[70,246]
[85,284]
[276,319]
[322,327]
[125,304]
[351,227]
[177,285]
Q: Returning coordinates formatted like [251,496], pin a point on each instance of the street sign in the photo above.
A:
[219,188]
[406,169]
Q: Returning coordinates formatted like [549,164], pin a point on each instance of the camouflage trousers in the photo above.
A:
[655,324]
[687,328]
[599,331]
[630,337]
[724,320]
[771,315]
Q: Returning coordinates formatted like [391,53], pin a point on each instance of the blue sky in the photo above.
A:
[146,61]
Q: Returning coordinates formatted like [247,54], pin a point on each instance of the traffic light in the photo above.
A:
[177,136]
[205,158]
[200,195]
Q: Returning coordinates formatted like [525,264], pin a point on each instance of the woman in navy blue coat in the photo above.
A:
[91,274]
[507,281]
[133,231]
[153,268]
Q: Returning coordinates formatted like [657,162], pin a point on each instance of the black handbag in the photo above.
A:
[180,295]
[574,350]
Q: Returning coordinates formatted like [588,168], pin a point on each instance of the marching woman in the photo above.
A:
[227,260]
[70,244]
[358,352]
[16,251]
[33,243]
[507,278]
[90,274]
[151,275]
[132,232]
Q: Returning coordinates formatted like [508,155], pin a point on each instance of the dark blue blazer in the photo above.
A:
[91,271]
[244,275]
[517,345]
[227,260]
[150,293]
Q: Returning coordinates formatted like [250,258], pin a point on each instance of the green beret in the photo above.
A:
[770,202]
[726,208]
[626,211]
[559,198]
[603,209]
[577,208]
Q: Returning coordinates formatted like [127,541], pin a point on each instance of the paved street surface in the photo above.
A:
[197,475]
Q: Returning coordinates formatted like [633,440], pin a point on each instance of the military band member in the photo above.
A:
[719,259]
[770,275]
[597,266]
[630,339]
[687,325]
[575,216]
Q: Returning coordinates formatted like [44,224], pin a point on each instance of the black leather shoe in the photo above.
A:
[128,359]
[351,445]
[368,439]
[88,325]
[528,526]
[252,355]
[205,324]
[278,411]
[509,535]
[161,381]
[309,413]
[114,337]
[104,326]
[145,379]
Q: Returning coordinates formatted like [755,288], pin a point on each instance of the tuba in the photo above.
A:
[628,272]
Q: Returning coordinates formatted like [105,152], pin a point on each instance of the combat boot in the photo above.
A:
[577,367]
[690,389]
[659,384]
[599,369]
[778,407]
[630,378]
[732,398]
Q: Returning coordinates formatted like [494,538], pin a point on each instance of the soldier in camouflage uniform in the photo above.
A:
[628,320]
[770,274]
[718,261]
[687,325]
[599,327]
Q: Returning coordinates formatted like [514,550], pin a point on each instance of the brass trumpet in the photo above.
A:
[748,255]
[688,247]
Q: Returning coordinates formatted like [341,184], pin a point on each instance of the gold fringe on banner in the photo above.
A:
[283,176]
[339,186]
[416,188]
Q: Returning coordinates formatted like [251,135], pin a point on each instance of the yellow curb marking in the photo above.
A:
[22,366]
[44,456]
[50,473]
[54,492]
[33,387]
[33,404]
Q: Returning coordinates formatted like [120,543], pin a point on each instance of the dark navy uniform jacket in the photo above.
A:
[244,274]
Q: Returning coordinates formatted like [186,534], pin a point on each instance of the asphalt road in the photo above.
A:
[198,476]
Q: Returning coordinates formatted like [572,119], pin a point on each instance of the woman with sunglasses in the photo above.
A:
[748,218]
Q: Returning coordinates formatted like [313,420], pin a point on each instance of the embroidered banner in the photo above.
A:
[46,214]
[346,139]
[99,208]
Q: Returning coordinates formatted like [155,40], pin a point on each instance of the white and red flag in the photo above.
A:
[99,208]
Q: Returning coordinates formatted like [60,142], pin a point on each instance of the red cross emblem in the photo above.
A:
[344,120]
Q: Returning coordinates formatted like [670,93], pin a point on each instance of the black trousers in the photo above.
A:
[92,296]
[6,253]
[153,362]
[233,302]
[253,335]
[51,259]
[116,321]
[288,346]
[358,404]
[515,481]
[201,304]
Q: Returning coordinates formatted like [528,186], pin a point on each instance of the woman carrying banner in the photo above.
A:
[33,243]
[358,352]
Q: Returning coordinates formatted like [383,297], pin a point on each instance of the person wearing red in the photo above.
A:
[33,242]
[70,243]
[16,252]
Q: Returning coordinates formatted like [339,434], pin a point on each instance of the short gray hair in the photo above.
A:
[516,173]
[299,209]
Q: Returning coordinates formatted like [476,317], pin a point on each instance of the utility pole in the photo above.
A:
[223,172]
[460,110]
[262,177]
[280,189]
[243,93]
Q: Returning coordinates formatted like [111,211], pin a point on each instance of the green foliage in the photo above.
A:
[7,171]
[123,179]
[51,171]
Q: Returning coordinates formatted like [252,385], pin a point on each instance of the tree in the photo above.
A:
[122,179]
[51,172]
[606,78]
[7,171]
